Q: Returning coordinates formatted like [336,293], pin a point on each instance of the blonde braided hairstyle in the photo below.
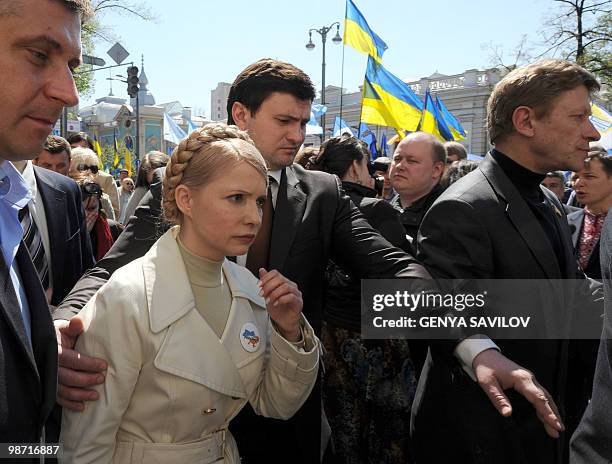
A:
[204,155]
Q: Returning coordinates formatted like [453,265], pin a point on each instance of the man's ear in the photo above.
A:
[240,115]
[523,119]
[438,169]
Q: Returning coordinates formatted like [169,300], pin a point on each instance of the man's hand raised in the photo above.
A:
[496,373]
[76,371]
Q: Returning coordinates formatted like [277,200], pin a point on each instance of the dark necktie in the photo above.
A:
[33,241]
[257,256]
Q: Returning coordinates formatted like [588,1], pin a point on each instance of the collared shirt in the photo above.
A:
[37,210]
[589,235]
[14,195]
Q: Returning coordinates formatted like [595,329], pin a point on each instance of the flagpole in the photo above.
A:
[342,81]
[361,108]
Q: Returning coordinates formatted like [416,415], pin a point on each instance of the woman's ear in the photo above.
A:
[183,198]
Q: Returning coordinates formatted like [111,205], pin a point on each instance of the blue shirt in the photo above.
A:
[14,195]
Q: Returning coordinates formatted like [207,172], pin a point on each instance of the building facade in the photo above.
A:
[112,122]
[218,102]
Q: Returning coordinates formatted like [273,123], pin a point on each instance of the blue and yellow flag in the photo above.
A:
[116,147]
[127,161]
[450,120]
[98,151]
[602,120]
[358,34]
[388,101]
[432,122]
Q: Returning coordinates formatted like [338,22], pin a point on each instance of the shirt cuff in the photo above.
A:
[471,347]
[294,361]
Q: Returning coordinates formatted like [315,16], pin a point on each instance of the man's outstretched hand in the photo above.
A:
[496,373]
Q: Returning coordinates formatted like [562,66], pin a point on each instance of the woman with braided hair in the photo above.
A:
[186,332]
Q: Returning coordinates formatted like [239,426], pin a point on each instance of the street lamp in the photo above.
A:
[310,46]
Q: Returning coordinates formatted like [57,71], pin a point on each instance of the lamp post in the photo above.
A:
[310,46]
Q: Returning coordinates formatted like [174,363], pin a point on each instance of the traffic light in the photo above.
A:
[132,81]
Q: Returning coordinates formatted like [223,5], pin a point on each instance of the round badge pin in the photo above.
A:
[249,337]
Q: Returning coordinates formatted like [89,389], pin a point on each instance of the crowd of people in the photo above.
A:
[209,310]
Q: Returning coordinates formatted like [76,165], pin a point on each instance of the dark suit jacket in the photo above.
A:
[591,444]
[576,221]
[28,375]
[481,228]
[71,252]
[313,221]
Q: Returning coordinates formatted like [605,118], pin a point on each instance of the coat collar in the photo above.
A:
[191,349]
[521,216]
[169,299]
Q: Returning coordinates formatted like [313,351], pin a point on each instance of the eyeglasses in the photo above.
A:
[83,167]
[91,189]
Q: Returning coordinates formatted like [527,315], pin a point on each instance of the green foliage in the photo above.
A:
[85,80]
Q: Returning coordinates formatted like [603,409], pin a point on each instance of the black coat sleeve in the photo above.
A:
[141,232]
[361,250]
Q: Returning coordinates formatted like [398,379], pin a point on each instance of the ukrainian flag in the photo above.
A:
[388,101]
[358,34]
[450,120]
[432,122]
[602,120]
[98,151]
[116,146]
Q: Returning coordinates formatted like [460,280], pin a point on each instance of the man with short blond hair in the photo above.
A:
[496,401]
[40,47]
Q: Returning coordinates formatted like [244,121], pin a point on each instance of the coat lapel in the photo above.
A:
[172,306]
[9,305]
[563,229]
[290,205]
[44,342]
[575,222]
[54,200]
[522,218]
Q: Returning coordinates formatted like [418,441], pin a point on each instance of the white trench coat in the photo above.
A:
[172,385]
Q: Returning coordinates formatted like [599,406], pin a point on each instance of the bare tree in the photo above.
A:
[521,54]
[581,31]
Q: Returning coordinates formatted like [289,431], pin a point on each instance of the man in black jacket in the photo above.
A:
[496,402]
[415,172]
[39,47]
[313,221]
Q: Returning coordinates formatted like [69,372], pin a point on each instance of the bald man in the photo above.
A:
[415,173]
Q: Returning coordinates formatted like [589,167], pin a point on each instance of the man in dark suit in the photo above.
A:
[496,402]
[57,210]
[591,443]
[39,46]
[313,221]
[555,182]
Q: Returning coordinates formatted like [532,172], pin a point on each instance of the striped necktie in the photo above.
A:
[33,240]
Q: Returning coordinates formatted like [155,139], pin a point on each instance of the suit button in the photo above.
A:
[207,411]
